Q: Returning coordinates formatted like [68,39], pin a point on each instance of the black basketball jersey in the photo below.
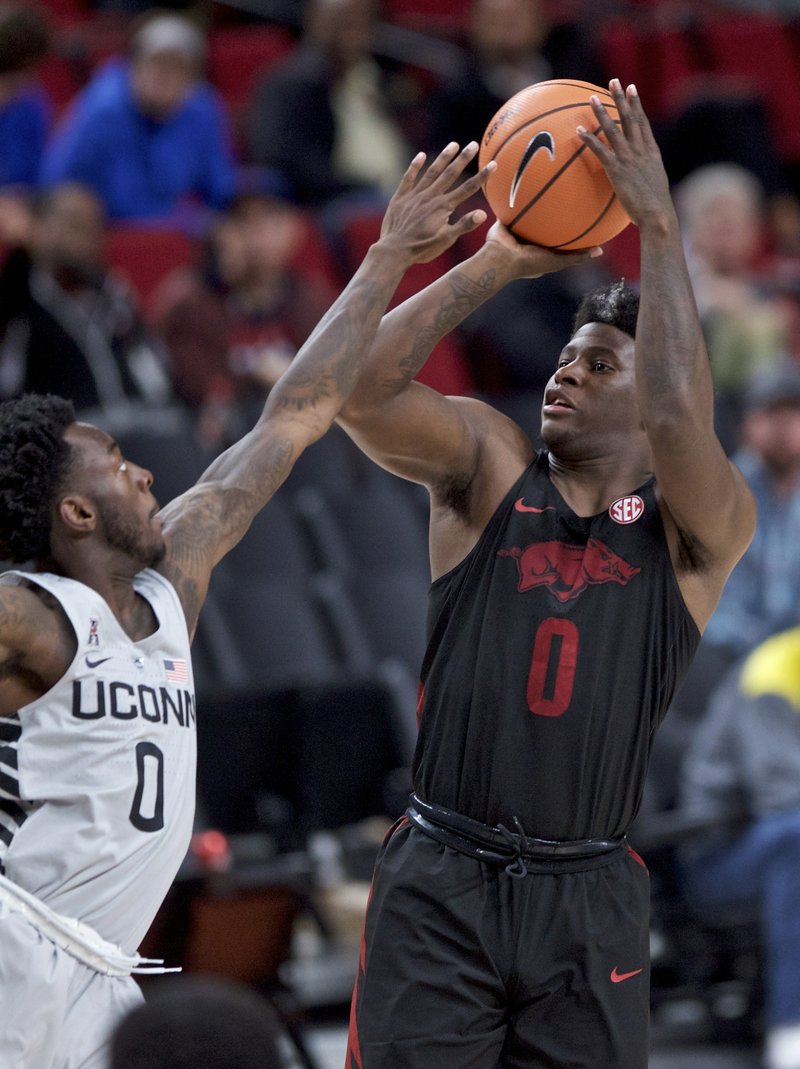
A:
[554,650]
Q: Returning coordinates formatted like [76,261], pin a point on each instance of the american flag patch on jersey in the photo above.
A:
[177,670]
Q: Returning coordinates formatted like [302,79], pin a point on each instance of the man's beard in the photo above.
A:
[125,536]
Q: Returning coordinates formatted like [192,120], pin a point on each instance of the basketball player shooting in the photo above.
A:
[508,920]
[97,709]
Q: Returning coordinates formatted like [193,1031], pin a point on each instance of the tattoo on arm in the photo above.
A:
[188,564]
[188,592]
[12,615]
[332,371]
[464,296]
[216,514]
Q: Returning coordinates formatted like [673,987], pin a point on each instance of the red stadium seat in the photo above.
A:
[66,12]
[622,256]
[662,63]
[760,51]
[62,79]
[447,370]
[445,18]
[313,256]
[621,48]
[146,255]
[239,55]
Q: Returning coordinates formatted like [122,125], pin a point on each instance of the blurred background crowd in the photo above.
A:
[183,192]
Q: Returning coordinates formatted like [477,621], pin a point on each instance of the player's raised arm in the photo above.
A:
[207,521]
[406,427]
[705,494]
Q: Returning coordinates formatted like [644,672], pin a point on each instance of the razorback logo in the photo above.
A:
[566,569]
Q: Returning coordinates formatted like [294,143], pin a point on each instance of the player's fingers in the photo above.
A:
[607,124]
[471,185]
[637,113]
[572,259]
[628,123]
[467,223]
[439,166]
[409,179]
[598,147]
[635,123]
[455,168]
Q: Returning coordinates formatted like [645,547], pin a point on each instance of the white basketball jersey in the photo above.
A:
[97,777]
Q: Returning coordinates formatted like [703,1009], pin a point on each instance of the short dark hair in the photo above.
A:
[34,458]
[196,1021]
[24,38]
[616,305]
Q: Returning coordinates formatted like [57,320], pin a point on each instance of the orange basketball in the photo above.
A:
[549,187]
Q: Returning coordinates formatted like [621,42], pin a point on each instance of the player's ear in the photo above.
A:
[77,513]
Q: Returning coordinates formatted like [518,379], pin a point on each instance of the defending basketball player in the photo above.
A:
[97,712]
[508,920]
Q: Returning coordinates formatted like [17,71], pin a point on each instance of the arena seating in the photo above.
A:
[146,255]
[447,370]
[240,55]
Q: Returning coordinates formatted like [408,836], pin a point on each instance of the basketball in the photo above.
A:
[549,188]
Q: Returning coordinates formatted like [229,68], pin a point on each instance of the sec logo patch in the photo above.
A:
[626,509]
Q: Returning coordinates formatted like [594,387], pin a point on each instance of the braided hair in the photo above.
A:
[34,459]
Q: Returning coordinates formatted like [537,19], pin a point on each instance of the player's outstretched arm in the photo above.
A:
[705,494]
[207,521]
[404,426]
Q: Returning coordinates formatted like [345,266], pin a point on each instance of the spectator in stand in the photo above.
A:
[147,133]
[746,326]
[509,46]
[742,773]
[200,1021]
[24,105]
[763,592]
[233,325]
[762,595]
[325,117]
[68,325]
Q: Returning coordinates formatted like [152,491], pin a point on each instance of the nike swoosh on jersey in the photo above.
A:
[520,506]
[95,664]
[618,977]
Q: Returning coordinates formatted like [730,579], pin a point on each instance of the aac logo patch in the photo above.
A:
[626,509]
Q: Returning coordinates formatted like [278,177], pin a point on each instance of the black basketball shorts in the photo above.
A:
[464,966]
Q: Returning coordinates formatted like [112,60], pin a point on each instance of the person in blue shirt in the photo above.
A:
[25,108]
[147,133]
[762,594]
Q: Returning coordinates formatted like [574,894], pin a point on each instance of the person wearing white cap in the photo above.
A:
[147,133]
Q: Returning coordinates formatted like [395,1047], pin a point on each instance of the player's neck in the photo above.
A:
[113,581]
[590,485]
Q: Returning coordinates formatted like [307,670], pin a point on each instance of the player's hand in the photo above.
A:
[631,159]
[532,261]
[418,222]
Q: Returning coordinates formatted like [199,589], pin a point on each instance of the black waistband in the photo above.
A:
[498,845]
